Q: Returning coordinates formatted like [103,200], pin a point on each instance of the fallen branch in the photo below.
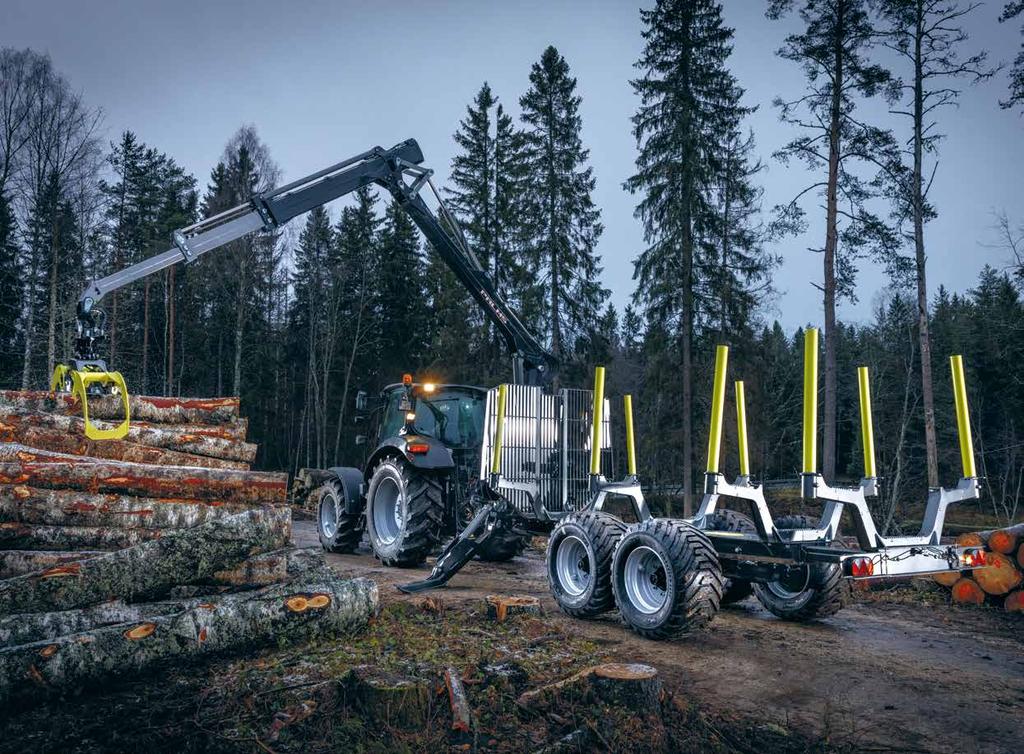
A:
[148,570]
[286,613]
[459,703]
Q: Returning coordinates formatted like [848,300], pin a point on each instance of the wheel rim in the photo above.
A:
[328,518]
[572,565]
[645,578]
[791,586]
[387,511]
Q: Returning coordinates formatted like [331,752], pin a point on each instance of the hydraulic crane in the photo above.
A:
[398,170]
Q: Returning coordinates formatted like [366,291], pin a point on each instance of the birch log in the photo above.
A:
[40,468]
[285,613]
[19,562]
[34,505]
[15,536]
[143,408]
[149,570]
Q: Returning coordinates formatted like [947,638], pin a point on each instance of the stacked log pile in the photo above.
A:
[1001,581]
[119,555]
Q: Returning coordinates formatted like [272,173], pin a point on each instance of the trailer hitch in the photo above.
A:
[492,518]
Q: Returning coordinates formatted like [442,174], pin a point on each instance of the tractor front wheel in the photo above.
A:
[404,512]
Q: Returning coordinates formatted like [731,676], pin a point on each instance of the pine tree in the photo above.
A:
[562,210]
[833,50]
[927,37]
[689,102]
[1010,11]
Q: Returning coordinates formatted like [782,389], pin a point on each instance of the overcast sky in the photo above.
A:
[324,80]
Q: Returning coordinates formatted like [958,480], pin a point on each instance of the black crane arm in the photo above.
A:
[399,171]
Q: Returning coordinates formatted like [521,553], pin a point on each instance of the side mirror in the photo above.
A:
[361,401]
[360,439]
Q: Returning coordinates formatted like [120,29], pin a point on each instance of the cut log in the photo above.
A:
[388,700]
[1000,574]
[971,539]
[630,686]
[156,409]
[25,427]
[967,592]
[149,570]
[234,431]
[1005,541]
[279,614]
[306,484]
[462,719]
[947,578]
[33,505]
[1014,602]
[15,536]
[1020,557]
[60,441]
[269,568]
[501,608]
[18,562]
[40,468]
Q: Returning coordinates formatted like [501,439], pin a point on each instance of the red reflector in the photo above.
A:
[861,567]
[406,379]
[417,447]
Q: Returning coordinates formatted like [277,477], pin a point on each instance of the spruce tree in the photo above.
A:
[10,297]
[562,211]
[689,102]
[1012,10]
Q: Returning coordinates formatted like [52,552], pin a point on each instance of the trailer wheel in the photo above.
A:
[404,511]
[811,591]
[666,578]
[579,560]
[338,530]
[727,520]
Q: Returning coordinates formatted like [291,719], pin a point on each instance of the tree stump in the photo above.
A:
[501,608]
[967,592]
[387,699]
[999,575]
[630,686]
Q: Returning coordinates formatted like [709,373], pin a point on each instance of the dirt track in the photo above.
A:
[876,677]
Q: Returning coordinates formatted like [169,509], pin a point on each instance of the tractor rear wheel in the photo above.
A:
[666,578]
[404,512]
[727,520]
[808,591]
[579,560]
[339,530]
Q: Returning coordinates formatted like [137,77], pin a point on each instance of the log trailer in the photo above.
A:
[668,577]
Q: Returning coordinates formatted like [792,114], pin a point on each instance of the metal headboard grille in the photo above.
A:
[546,441]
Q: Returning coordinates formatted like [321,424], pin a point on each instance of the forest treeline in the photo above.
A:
[296,322]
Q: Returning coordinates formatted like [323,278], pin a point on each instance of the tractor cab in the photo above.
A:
[452,415]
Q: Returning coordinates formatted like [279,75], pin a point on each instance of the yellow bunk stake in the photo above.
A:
[810,440]
[867,428]
[717,408]
[595,429]
[627,401]
[741,428]
[499,430]
[963,417]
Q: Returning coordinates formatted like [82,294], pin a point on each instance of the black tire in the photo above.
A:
[502,546]
[579,560]
[683,560]
[815,590]
[404,512]
[736,590]
[338,530]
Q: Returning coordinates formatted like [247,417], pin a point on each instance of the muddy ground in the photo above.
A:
[899,671]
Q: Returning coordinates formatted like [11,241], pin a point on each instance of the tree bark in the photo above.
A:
[17,536]
[157,409]
[500,609]
[19,562]
[30,431]
[57,507]
[280,614]
[148,570]
[39,468]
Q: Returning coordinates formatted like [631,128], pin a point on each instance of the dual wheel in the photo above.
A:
[664,575]
[403,517]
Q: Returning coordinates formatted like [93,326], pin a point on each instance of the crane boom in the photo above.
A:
[399,170]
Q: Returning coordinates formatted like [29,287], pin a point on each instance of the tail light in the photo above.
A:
[417,448]
[861,567]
